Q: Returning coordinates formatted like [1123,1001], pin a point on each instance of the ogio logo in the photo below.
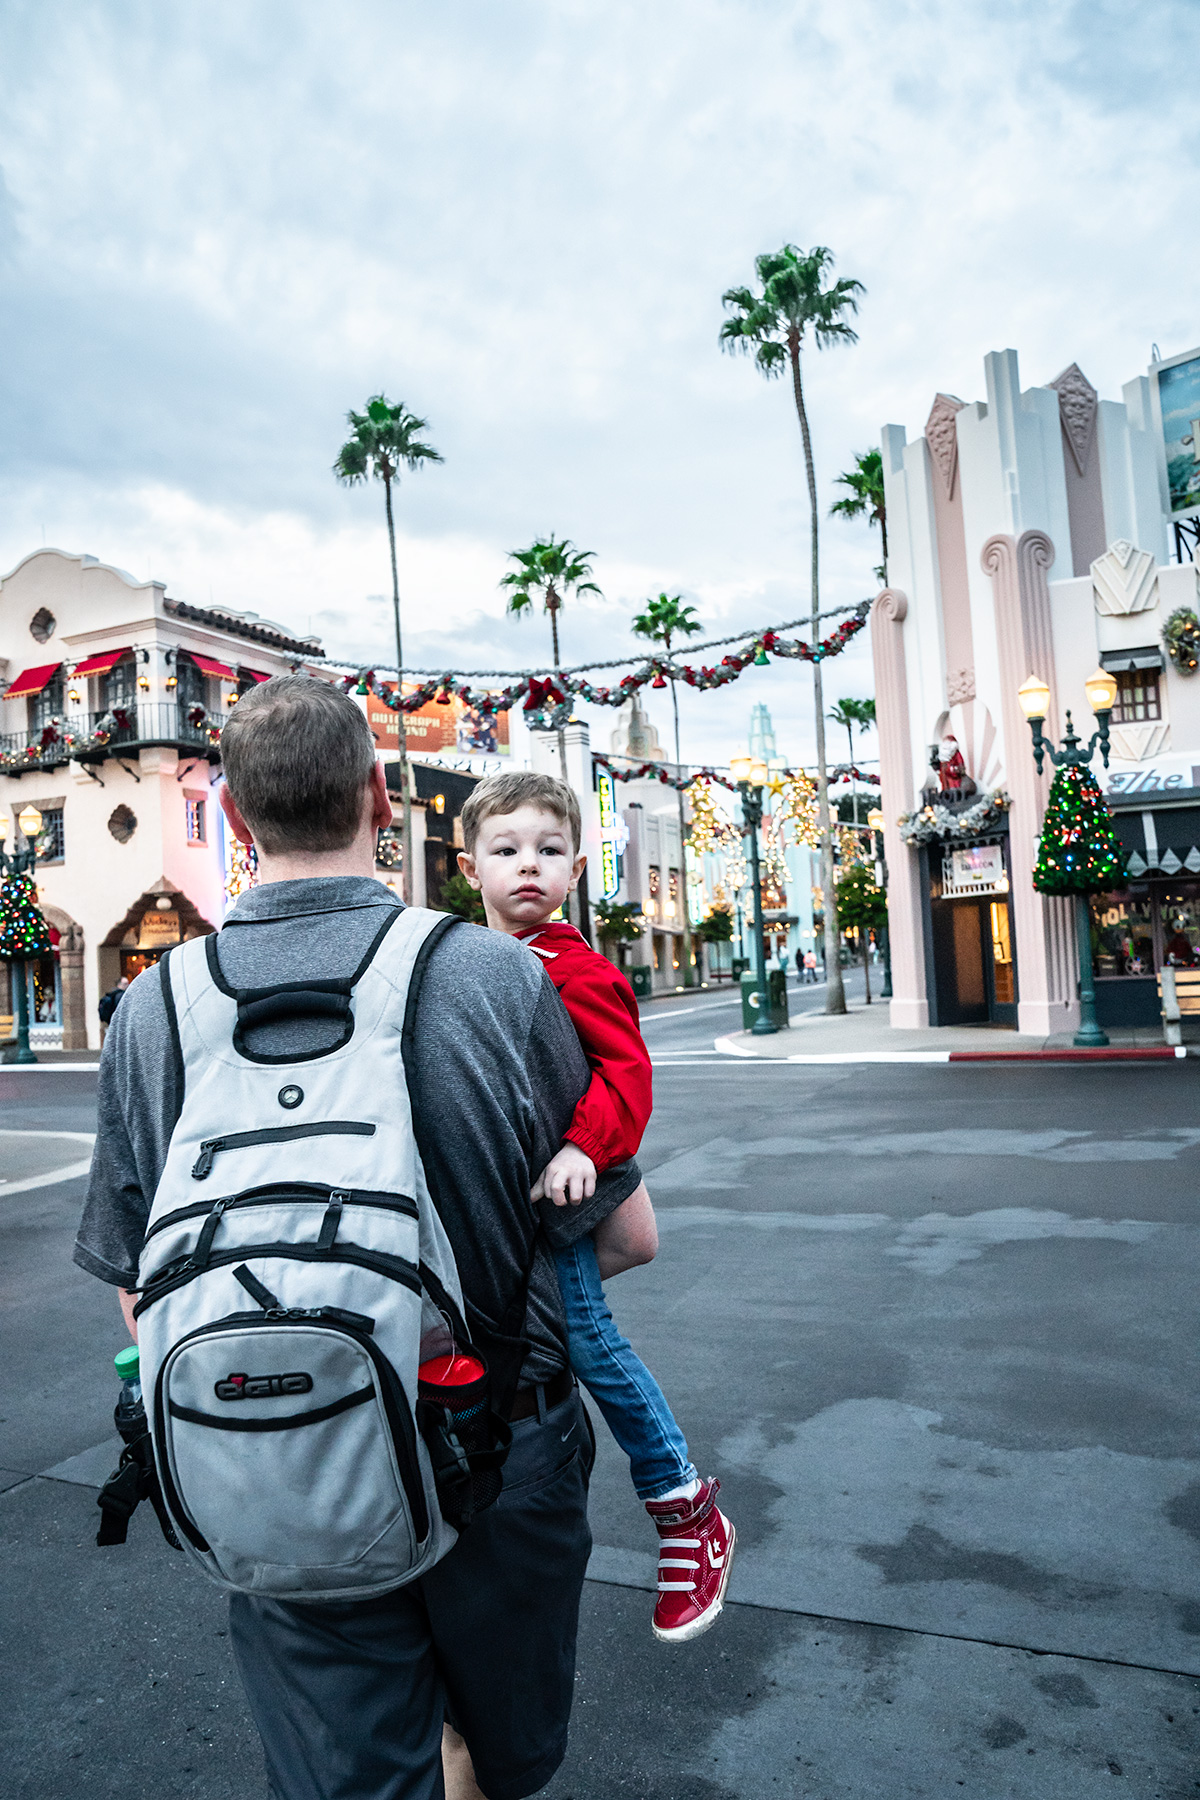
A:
[262,1387]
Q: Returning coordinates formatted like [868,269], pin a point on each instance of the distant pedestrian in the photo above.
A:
[109,1002]
[810,966]
[799,964]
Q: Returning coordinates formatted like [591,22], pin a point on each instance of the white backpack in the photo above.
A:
[294,1275]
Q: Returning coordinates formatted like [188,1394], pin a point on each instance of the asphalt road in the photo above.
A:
[934,1328]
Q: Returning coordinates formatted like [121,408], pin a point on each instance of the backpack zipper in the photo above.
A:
[285,1193]
[274,1134]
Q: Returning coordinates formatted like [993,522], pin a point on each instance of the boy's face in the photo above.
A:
[523,865]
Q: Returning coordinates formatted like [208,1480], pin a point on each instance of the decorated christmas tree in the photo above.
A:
[1079,852]
[23,930]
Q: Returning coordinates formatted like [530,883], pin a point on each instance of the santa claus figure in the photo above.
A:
[952,770]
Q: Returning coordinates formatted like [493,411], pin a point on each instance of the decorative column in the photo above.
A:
[74,1007]
[1045,951]
[910,1002]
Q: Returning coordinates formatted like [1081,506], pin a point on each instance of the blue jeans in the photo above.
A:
[633,1404]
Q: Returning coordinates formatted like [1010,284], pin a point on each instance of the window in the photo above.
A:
[669,911]
[52,843]
[47,705]
[195,821]
[1137,696]
[654,882]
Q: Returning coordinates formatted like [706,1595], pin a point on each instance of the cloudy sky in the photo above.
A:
[222,225]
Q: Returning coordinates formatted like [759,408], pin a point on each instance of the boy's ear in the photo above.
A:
[466,863]
[577,868]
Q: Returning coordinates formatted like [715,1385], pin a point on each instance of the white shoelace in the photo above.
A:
[678,1562]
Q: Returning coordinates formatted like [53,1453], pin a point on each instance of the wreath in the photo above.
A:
[1181,637]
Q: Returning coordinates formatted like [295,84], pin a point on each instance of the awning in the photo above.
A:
[1149,656]
[1162,840]
[101,663]
[254,674]
[32,681]
[208,665]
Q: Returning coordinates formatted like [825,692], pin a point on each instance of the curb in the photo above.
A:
[1112,1053]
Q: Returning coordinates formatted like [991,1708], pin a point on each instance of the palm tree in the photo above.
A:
[848,714]
[866,496]
[553,568]
[773,324]
[664,619]
[384,439]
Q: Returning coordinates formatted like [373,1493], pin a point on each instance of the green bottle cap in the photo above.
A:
[127,1363]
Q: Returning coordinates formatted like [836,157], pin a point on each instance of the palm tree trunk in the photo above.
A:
[407,886]
[853,782]
[883,535]
[835,993]
[552,608]
[689,979]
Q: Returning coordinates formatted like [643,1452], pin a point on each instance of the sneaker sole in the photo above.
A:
[683,1634]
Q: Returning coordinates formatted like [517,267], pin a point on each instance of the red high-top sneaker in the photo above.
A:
[694,1559]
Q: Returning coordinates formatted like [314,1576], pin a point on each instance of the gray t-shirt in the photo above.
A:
[498,1073]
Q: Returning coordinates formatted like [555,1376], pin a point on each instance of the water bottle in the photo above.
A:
[129,1415]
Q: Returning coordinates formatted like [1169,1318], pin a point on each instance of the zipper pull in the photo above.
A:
[204,1162]
[208,1232]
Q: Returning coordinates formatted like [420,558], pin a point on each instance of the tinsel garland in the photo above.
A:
[937,824]
[547,699]
[56,742]
[652,771]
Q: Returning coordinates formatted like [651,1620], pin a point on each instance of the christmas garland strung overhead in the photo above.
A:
[24,932]
[653,771]
[546,699]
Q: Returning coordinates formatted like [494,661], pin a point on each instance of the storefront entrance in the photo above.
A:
[972,974]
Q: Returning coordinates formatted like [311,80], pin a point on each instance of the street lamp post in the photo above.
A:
[751,774]
[875,821]
[1034,696]
[18,862]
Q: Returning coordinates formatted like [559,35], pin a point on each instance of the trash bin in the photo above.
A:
[640,979]
[777,990]
[738,966]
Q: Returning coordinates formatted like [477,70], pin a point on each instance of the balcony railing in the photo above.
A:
[90,737]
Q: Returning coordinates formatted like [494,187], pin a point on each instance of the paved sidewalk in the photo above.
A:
[865,1033]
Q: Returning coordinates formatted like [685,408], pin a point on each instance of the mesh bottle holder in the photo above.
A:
[466,1440]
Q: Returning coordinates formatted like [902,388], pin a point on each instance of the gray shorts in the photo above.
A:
[349,1700]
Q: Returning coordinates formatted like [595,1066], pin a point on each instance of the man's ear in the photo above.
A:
[381,806]
[466,863]
[237,824]
[577,868]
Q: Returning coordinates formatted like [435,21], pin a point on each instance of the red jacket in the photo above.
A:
[613,1114]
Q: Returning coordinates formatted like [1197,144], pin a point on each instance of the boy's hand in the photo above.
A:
[568,1176]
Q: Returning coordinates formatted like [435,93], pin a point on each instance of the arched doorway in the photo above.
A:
[159,918]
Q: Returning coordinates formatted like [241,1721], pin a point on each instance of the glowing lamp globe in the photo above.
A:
[1034,698]
[1101,690]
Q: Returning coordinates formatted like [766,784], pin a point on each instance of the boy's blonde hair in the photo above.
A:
[507,793]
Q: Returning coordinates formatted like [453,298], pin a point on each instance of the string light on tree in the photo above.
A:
[24,933]
[1079,851]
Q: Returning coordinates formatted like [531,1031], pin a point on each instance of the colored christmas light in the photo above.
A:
[1079,852]
[24,932]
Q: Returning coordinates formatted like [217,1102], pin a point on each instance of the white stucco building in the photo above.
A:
[1029,533]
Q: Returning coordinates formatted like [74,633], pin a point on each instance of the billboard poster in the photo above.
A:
[436,730]
[1178,385]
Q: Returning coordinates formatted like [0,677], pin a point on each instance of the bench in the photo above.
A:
[1179,992]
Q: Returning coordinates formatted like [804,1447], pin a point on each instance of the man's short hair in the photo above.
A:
[506,793]
[297,754]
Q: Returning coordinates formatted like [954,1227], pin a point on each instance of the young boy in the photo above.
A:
[522,833]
